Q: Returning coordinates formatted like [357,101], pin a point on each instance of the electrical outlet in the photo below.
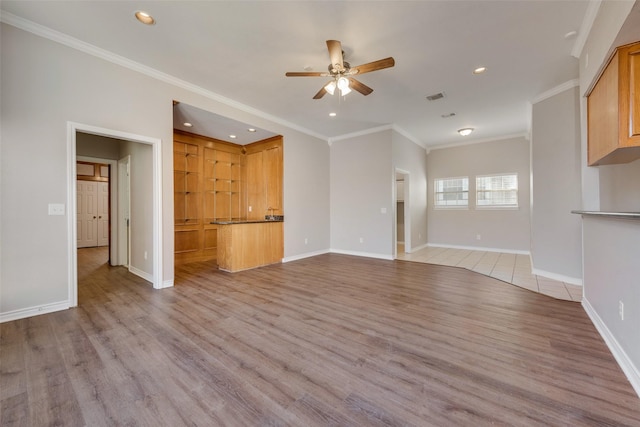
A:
[383,210]
[478,237]
[621,309]
[306,241]
[250,208]
[361,240]
[145,255]
[419,235]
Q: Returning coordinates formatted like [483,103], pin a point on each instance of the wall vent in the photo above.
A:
[435,96]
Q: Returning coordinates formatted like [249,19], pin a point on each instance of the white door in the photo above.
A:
[93,213]
[87,213]
[103,214]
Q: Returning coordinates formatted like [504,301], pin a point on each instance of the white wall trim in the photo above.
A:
[305,255]
[556,90]
[408,136]
[72,242]
[626,364]
[478,141]
[72,42]
[143,274]
[167,284]
[359,133]
[33,311]
[478,248]
[363,254]
[555,276]
[416,249]
[585,27]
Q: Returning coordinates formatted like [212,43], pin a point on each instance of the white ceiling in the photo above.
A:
[241,50]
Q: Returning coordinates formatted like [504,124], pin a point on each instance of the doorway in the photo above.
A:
[73,129]
[402,212]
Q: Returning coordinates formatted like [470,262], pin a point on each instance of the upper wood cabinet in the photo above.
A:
[264,178]
[613,110]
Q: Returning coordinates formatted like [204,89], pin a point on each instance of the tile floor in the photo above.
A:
[511,268]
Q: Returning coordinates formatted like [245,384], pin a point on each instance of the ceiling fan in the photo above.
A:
[342,72]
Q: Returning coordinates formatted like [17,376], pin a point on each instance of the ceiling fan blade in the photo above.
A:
[373,66]
[320,93]
[360,87]
[335,53]
[306,74]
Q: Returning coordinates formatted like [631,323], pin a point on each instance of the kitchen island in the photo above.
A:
[250,243]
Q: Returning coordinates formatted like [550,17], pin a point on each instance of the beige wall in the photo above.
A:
[499,229]
[556,239]
[36,107]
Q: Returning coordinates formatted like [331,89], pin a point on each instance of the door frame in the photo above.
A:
[72,129]
[113,201]
[407,211]
[124,237]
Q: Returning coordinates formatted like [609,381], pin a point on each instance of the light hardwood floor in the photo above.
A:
[328,340]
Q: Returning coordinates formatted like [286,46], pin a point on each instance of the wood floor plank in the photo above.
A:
[328,340]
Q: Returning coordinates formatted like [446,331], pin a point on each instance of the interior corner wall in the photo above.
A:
[412,158]
[362,180]
[504,230]
[556,237]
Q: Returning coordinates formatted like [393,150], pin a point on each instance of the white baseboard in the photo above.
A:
[416,249]
[33,311]
[146,276]
[558,277]
[363,254]
[167,284]
[304,255]
[478,248]
[627,366]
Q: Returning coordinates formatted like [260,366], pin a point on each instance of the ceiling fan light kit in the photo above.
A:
[342,72]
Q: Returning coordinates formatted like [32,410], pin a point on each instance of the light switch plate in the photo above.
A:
[56,208]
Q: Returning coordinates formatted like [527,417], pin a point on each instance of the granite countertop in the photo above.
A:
[625,215]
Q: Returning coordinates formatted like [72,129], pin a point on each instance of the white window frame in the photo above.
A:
[436,193]
[497,206]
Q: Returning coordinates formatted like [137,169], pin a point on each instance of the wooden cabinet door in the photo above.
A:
[273,180]
[256,200]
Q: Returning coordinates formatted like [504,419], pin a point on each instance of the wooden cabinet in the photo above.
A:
[217,181]
[249,245]
[264,178]
[613,110]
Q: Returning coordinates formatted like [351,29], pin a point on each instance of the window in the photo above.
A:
[451,192]
[497,191]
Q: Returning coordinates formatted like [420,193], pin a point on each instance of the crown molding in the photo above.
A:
[74,43]
[556,90]
[478,141]
[585,27]
[359,133]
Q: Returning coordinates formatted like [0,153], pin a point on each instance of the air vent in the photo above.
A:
[435,96]
[444,116]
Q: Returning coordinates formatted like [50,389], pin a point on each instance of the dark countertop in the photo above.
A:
[623,215]
[245,221]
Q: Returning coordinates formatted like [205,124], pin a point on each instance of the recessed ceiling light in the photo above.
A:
[187,124]
[332,114]
[465,131]
[145,18]
[479,70]
[251,130]
[232,136]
